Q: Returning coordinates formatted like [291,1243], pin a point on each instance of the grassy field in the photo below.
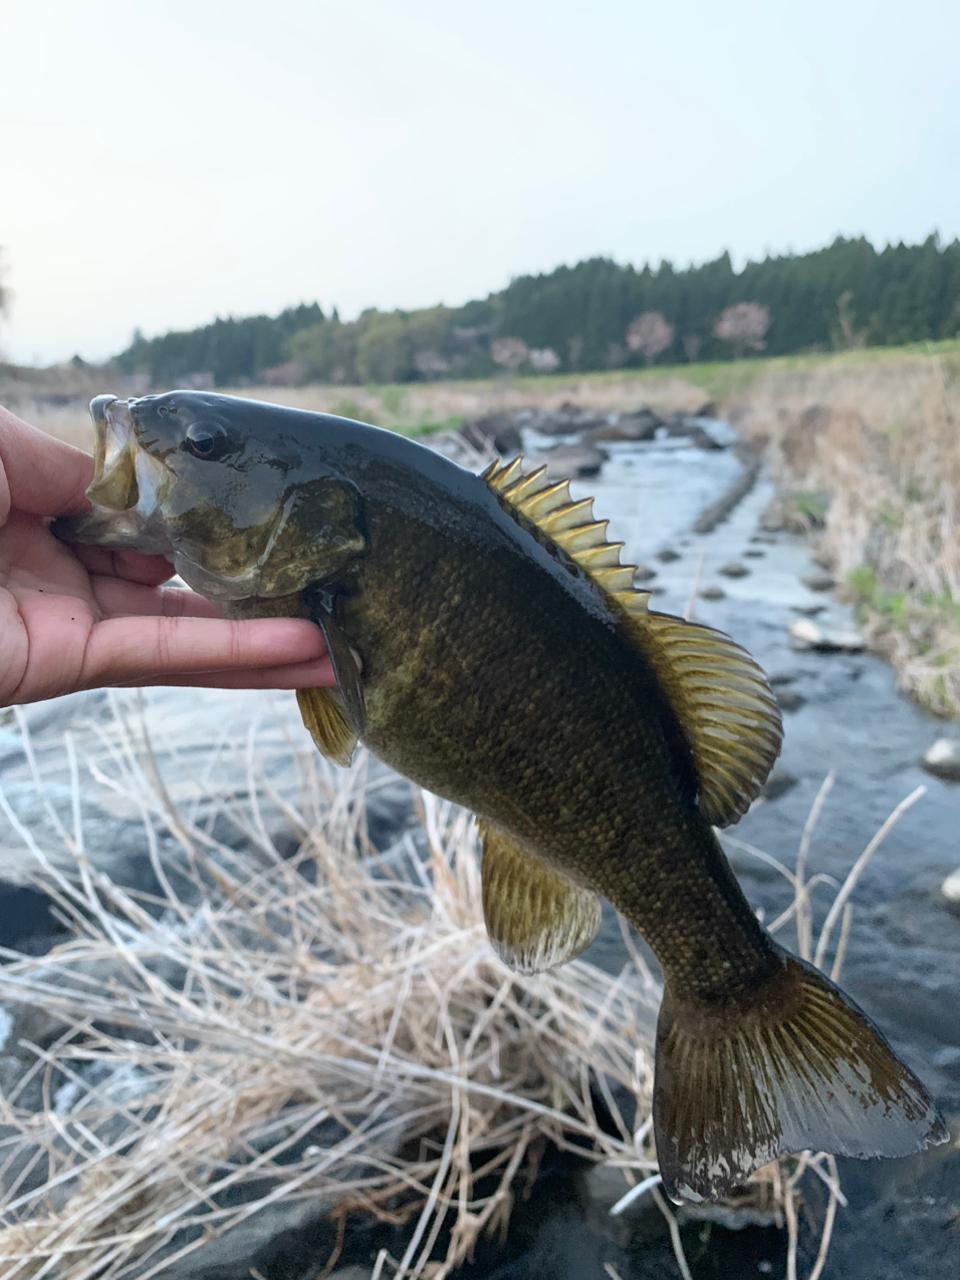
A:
[865,441]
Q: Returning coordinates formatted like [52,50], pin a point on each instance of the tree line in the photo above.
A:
[595,315]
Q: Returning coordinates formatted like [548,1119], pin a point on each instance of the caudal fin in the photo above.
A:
[800,1068]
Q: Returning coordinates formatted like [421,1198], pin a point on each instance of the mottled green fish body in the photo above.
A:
[488,644]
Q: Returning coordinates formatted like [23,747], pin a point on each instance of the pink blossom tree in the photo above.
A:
[509,352]
[744,325]
[544,359]
[650,334]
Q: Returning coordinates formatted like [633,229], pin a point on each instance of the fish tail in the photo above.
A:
[795,1067]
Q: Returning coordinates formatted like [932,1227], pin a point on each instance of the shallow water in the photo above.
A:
[903,959]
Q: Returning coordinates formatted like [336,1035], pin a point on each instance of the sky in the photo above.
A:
[163,164]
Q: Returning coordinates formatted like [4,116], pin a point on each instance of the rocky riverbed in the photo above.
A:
[843,717]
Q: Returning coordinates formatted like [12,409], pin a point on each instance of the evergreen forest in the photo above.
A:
[595,315]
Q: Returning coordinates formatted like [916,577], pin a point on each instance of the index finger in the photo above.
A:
[44,476]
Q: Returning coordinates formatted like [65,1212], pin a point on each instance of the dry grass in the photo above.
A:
[882,440]
[331,1028]
[408,407]
[330,1031]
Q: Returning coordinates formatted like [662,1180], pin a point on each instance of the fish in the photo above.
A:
[488,643]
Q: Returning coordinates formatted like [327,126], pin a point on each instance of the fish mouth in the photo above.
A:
[123,491]
[114,485]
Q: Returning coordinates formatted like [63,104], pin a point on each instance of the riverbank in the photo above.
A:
[862,444]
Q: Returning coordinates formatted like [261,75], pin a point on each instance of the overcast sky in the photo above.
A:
[165,163]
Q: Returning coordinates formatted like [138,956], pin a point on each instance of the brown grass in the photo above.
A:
[881,438]
[331,1030]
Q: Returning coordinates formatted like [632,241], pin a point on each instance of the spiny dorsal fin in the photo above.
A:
[719,695]
[536,917]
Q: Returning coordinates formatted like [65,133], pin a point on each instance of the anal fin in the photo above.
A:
[326,717]
[537,917]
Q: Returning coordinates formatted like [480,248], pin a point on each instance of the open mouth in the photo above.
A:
[114,483]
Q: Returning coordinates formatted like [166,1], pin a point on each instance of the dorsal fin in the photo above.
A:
[719,695]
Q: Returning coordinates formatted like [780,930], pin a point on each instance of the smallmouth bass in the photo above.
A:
[507,663]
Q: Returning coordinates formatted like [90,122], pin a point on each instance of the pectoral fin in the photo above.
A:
[344,668]
[537,917]
[324,715]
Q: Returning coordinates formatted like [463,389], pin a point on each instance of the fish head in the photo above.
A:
[241,501]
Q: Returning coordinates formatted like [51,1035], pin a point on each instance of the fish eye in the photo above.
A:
[206,440]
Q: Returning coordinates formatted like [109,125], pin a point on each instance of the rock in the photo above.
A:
[819,580]
[951,887]
[497,430]
[734,570]
[777,784]
[641,425]
[692,431]
[718,511]
[667,555]
[789,699]
[754,554]
[713,593]
[568,460]
[643,573]
[808,610]
[943,759]
[805,634]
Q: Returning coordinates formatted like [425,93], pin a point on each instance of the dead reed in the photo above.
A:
[328,1032]
[881,440]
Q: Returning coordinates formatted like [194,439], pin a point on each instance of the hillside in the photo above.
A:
[593,316]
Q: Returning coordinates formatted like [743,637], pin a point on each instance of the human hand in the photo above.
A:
[81,617]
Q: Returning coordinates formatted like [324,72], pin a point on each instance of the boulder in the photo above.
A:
[943,759]
[734,570]
[498,430]
[819,580]
[951,887]
[641,425]
[805,634]
[572,460]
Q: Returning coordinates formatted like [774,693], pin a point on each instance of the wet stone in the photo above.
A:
[805,634]
[819,580]
[754,554]
[581,460]
[667,555]
[777,784]
[643,573]
[789,699]
[943,759]
[734,570]
[713,593]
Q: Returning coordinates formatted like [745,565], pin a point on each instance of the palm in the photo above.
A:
[55,600]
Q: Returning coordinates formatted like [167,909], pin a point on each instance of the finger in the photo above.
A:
[131,566]
[120,650]
[118,599]
[294,675]
[44,476]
